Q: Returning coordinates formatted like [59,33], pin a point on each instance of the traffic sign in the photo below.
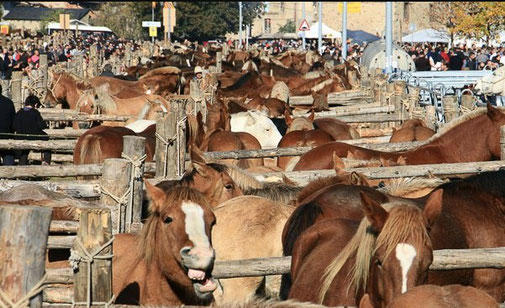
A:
[156,24]
[153,31]
[304,26]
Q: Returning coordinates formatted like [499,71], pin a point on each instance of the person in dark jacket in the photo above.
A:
[455,61]
[7,113]
[107,71]
[471,63]
[422,64]
[28,121]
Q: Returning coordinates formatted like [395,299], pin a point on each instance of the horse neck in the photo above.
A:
[72,93]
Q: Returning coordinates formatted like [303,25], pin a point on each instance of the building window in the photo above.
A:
[406,8]
[268,25]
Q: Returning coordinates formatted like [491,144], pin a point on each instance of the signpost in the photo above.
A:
[304,26]
[152,25]
[303,33]
[168,19]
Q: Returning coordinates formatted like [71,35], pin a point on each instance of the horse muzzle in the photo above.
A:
[200,261]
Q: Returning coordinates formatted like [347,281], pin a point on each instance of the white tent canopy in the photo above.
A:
[427,35]
[314,31]
[81,25]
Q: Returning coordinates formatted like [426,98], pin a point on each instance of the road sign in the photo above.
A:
[153,31]
[304,26]
[156,24]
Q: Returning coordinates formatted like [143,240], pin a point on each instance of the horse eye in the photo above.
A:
[168,220]
[268,129]
[228,186]
[378,263]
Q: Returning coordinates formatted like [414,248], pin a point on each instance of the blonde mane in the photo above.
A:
[166,70]
[242,178]
[105,101]
[404,186]
[404,221]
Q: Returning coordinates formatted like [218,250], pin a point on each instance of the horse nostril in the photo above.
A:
[185,251]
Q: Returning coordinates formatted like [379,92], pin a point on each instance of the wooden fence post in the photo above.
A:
[451,107]
[92,256]
[170,142]
[468,102]
[502,142]
[43,70]
[431,117]
[134,150]
[16,89]
[23,239]
[219,62]
[114,186]
[413,100]
[93,55]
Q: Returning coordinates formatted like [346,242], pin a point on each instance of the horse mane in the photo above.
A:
[314,74]
[403,186]
[491,182]
[277,192]
[174,195]
[241,81]
[165,70]
[404,220]
[105,100]
[242,178]
[459,120]
[320,183]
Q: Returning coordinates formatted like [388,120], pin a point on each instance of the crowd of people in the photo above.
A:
[438,57]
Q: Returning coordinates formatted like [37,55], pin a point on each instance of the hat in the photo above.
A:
[198,69]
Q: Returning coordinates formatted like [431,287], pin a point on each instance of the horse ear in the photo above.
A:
[287,181]
[155,195]
[433,206]
[198,161]
[394,130]
[338,164]
[350,155]
[384,162]
[492,112]
[311,116]
[401,161]
[374,212]
[288,118]
[251,120]
[366,302]
[358,179]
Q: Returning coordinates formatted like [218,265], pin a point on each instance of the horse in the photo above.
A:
[257,124]
[454,143]
[174,256]
[102,142]
[431,296]
[389,252]
[411,130]
[339,130]
[274,106]
[472,217]
[258,218]
[301,137]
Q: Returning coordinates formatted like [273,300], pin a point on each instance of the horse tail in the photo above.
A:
[90,150]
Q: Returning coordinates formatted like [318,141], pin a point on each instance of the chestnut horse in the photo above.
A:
[101,142]
[398,229]
[174,257]
[430,296]
[412,130]
[301,137]
[472,217]
[339,130]
[456,142]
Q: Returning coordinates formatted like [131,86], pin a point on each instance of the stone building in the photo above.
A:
[366,16]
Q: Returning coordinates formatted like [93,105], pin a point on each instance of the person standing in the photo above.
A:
[422,64]
[7,113]
[28,121]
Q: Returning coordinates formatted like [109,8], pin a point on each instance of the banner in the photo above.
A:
[153,31]
[352,7]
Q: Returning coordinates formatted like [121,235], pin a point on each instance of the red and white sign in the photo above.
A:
[304,26]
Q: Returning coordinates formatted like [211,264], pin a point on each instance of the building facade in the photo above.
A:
[366,16]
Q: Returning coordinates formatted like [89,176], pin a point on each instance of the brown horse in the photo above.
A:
[368,259]
[101,142]
[412,130]
[300,138]
[430,296]
[472,217]
[339,130]
[72,90]
[174,256]
[455,143]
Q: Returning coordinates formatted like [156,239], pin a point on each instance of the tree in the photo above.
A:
[479,20]
[289,27]
[48,18]
[207,20]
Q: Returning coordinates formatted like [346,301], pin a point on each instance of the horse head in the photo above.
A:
[56,92]
[299,123]
[211,179]
[402,252]
[176,237]
[257,124]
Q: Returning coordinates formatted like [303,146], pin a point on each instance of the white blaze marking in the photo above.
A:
[194,224]
[405,253]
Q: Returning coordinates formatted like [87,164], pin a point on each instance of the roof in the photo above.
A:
[82,26]
[327,32]
[427,35]
[39,13]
